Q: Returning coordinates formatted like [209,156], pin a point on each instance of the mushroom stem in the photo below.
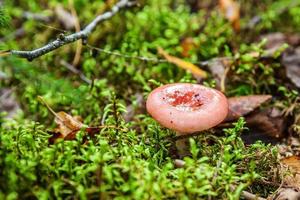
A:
[182,146]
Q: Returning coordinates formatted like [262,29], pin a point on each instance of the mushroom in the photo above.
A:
[187,108]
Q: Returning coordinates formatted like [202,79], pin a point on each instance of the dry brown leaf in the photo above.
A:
[68,127]
[291,169]
[183,64]
[243,105]
[269,121]
[231,10]
[292,162]
[67,124]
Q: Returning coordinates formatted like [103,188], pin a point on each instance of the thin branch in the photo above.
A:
[142,58]
[63,40]
[76,71]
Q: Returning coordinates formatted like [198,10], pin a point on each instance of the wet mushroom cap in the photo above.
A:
[186,107]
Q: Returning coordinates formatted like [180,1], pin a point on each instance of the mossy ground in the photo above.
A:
[132,157]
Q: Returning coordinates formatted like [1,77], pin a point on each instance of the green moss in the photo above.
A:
[134,159]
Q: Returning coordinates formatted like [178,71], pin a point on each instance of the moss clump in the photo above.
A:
[132,158]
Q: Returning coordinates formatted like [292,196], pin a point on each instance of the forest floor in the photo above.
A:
[73,119]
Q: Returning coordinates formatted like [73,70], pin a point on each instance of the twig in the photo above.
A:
[142,58]
[63,40]
[76,71]
[152,59]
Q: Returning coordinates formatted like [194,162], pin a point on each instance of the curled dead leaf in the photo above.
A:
[183,64]
[67,124]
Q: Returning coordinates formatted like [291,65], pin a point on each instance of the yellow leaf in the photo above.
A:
[183,64]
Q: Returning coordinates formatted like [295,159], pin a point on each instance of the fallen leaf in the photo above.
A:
[291,171]
[292,162]
[269,121]
[291,62]
[183,64]
[67,124]
[277,39]
[243,105]
[231,10]
[65,17]
[219,68]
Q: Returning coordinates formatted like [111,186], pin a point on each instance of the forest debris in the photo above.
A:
[277,39]
[291,61]
[231,10]
[270,121]
[291,170]
[67,124]
[278,42]
[76,71]
[68,127]
[183,64]
[287,194]
[243,105]
[219,68]
[187,44]
[65,17]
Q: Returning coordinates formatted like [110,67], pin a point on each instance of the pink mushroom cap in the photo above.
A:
[187,108]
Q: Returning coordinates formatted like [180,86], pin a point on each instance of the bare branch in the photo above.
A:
[63,40]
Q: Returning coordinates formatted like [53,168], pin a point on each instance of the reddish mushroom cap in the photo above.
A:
[186,107]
